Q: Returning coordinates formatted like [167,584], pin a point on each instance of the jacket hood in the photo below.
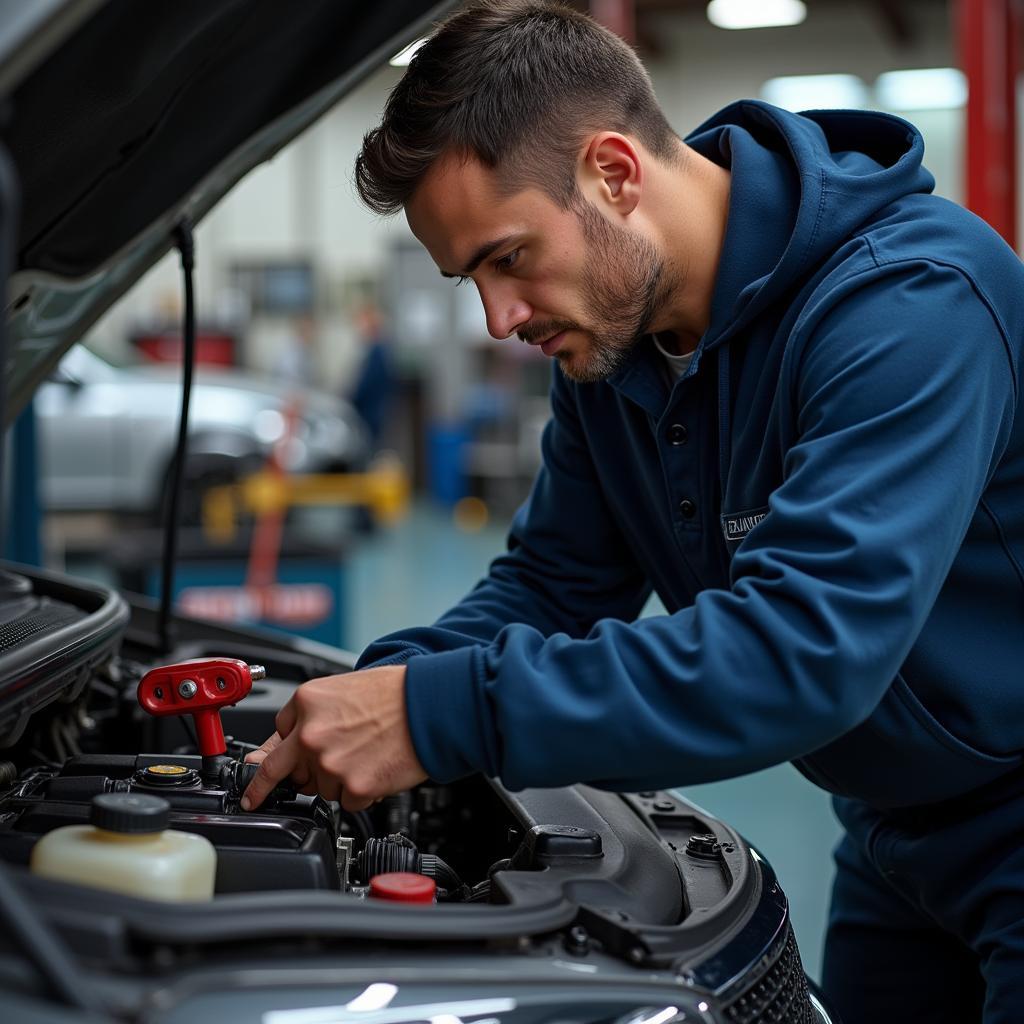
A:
[801,185]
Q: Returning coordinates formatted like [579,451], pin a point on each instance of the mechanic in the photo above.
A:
[786,400]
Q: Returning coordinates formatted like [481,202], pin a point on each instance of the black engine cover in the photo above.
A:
[288,844]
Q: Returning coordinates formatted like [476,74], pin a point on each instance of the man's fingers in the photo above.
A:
[349,742]
[355,803]
[277,765]
[327,786]
[285,720]
[257,756]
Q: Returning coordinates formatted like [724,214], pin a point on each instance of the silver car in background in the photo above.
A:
[106,434]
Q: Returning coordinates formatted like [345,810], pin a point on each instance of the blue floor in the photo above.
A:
[409,574]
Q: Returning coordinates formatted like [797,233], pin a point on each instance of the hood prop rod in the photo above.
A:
[185,244]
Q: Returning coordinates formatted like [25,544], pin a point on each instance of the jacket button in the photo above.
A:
[687,508]
[677,434]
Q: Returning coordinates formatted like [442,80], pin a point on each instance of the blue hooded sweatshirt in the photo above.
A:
[829,503]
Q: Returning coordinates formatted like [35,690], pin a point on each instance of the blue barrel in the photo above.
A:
[446,462]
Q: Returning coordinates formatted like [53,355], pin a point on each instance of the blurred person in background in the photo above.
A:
[374,385]
[786,398]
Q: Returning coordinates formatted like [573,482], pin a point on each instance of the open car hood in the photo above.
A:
[122,117]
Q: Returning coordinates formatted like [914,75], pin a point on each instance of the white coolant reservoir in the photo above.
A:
[128,848]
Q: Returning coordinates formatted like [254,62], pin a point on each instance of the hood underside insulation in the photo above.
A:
[146,98]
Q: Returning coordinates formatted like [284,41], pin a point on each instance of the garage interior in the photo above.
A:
[298,284]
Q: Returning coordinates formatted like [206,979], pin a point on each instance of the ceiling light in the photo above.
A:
[756,13]
[402,58]
[922,89]
[816,92]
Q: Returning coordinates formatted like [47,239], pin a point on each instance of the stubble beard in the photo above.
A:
[622,291]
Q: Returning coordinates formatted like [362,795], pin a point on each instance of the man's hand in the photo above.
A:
[344,737]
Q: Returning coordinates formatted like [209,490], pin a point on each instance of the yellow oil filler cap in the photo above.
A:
[167,775]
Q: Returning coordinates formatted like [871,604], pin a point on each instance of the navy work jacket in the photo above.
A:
[830,504]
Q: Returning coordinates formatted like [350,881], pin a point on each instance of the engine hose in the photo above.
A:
[392,853]
[480,893]
[398,853]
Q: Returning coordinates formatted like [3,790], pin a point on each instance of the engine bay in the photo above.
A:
[94,706]
[91,705]
[81,738]
[292,842]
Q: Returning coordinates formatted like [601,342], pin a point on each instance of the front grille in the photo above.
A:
[780,996]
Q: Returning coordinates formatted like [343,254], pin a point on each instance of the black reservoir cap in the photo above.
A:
[563,841]
[130,812]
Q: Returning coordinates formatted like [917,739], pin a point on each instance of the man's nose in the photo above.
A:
[505,312]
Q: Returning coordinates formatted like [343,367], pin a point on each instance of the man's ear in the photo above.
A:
[612,172]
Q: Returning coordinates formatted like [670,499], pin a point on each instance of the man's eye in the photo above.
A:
[508,261]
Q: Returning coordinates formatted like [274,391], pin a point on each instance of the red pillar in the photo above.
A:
[617,15]
[989,41]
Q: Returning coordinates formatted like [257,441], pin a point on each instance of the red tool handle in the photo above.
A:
[199,688]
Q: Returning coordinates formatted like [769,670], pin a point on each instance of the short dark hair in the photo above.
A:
[518,84]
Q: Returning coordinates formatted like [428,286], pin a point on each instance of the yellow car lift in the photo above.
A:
[383,489]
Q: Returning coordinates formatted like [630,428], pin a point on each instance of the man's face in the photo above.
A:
[574,282]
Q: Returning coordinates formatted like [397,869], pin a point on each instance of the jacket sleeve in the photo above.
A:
[904,400]
[561,573]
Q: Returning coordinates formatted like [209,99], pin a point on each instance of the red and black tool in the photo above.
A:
[200,688]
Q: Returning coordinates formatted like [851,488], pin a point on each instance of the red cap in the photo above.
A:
[403,887]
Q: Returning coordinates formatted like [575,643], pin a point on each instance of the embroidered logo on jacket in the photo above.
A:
[737,525]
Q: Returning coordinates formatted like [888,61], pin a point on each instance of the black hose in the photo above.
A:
[480,893]
[186,246]
[30,934]
[387,854]
[397,852]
